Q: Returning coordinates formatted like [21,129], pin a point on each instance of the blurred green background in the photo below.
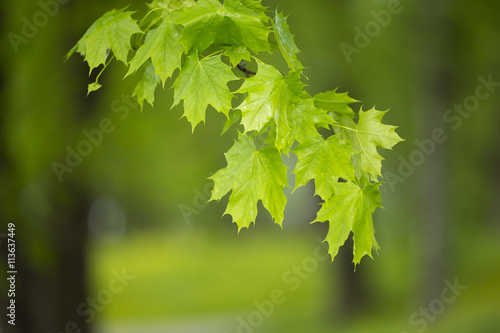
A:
[136,206]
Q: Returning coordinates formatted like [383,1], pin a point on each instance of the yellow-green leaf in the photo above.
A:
[335,102]
[286,44]
[324,161]
[270,95]
[230,24]
[112,32]
[162,47]
[350,209]
[251,175]
[202,83]
[145,89]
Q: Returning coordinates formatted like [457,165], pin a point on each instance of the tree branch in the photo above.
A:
[242,66]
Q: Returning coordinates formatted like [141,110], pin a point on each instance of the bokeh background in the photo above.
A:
[136,206]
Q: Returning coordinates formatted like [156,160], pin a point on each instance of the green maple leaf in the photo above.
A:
[161,46]
[168,6]
[234,118]
[203,82]
[286,44]
[344,127]
[270,95]
[112,31]
[251,175]
[256,7]
[333,101]
[368,134]
[350,209]
[159,10]
[236,54]
[93,87]
[305,118]
[231,24]
[145,89]
[324,161]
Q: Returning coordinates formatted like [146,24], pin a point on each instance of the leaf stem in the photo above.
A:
[212,54]
[102,70]
[145,16]
[348,128]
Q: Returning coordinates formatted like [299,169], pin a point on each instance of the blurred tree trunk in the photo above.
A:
[47,297]
[50,245]
[434,70]
[354,295]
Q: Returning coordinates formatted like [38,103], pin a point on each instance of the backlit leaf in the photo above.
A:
[270,95]
[324,161]
[145,89]
[203,82]
[161,46]
[236,54]
[368,134]
[168,6]
[112,32]
[305,119]
[335,102]
[350,209]
[285,41]
[230,24]
[251,175]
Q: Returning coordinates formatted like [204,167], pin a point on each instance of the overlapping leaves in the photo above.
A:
[230,23]
[161,46]
[325,161]
[270,96]
[199,46]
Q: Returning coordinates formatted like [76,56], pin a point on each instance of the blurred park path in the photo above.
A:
[218,323]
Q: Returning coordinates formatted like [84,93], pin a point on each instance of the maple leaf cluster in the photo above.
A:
[200,45]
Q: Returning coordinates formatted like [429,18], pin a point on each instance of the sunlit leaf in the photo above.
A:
[270,96]
[112,32]
[251,175]
[203,82]
[324,161]
[161,46]
[230,24]
[350,209]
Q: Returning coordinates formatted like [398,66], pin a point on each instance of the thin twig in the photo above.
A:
[242,66]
